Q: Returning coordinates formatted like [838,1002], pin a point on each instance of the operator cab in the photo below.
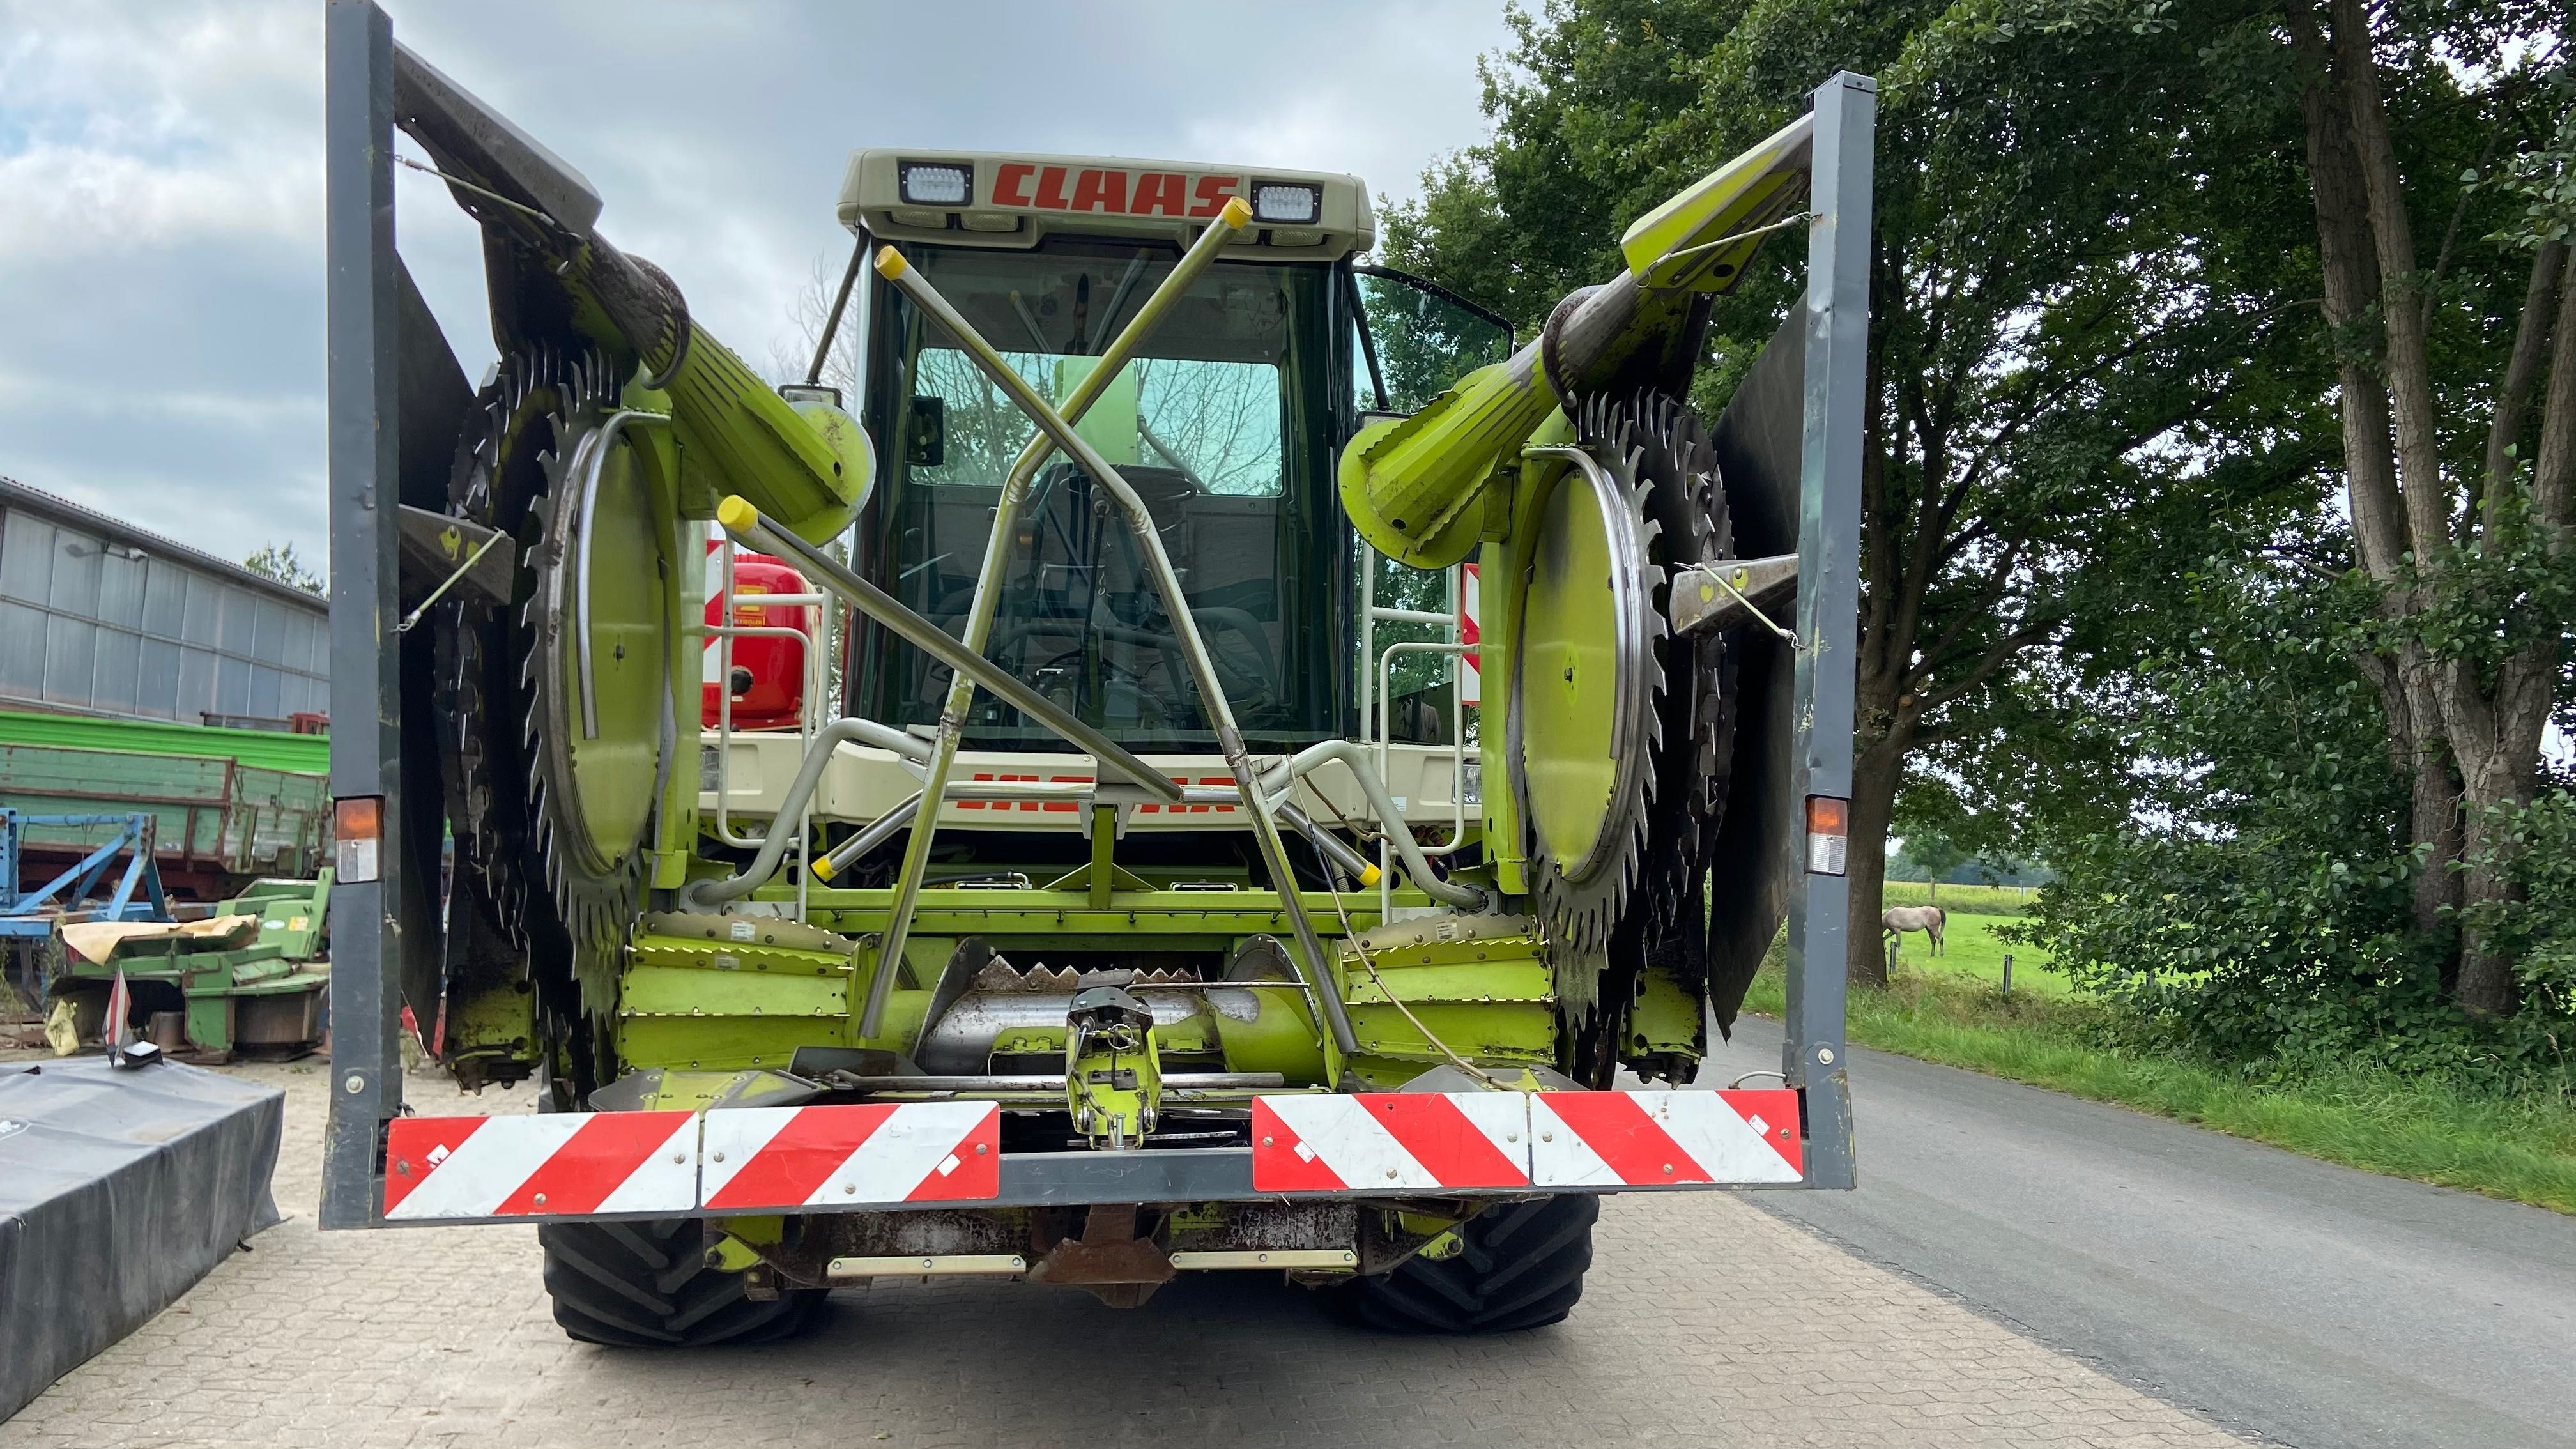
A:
[1228,424]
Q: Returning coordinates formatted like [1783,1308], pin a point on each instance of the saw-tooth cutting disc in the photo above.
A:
[593,629]
[550,801]
[1586,680]
[499,476]
[1697,707]
[1662,924]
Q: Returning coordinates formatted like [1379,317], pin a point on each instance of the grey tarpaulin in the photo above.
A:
[118,1190]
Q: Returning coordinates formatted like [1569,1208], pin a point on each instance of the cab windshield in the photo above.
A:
[1224,424]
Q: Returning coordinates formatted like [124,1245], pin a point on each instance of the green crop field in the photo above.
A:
[1960,900]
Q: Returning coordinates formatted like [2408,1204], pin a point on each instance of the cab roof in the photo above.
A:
[1011,200]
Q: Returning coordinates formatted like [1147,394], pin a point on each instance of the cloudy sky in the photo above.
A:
[161,181]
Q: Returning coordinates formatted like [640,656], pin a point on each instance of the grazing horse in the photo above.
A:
[1930,920]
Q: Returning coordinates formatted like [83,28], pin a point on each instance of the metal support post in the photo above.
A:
[362,305]
[1837,343]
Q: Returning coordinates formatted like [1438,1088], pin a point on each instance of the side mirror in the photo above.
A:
[810,392]
[1370,417]
[925,436]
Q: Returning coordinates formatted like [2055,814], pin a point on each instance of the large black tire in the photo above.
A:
[1522,1267]
[647,1285]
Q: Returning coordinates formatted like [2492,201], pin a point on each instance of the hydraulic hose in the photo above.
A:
[1330,846]
[700,895]
[877,833]
[1417,866]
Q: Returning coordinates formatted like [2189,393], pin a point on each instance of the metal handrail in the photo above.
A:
[704,894]
[1355,758]
[1412,616]
[808,714]
[1373,692]
[1457,650]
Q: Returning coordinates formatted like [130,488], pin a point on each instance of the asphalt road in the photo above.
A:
[2280,1296]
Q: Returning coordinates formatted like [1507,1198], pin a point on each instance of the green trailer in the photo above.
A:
[269,749]
[228,806]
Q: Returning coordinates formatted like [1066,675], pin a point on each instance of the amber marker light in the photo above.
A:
[1828,834]
[357,839]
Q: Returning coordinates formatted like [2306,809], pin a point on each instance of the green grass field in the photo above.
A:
[1950,1010]
[1972,953]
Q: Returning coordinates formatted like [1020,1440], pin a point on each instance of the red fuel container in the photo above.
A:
[768,673]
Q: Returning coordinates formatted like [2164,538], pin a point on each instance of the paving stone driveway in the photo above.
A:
[1705,1322]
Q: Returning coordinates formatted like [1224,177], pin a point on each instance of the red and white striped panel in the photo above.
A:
[1389,1141]
[540,1166]
[780,1157]
[1425,1141]
[1657,1139]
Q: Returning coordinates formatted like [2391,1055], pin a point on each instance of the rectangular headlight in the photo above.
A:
[1287,203]
[936,183]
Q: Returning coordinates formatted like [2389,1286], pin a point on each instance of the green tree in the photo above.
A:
[1934,854]
[2421,383]
[279,561]
[2064,401]
[2459,526]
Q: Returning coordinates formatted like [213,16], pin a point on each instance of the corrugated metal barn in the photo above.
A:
[100,617]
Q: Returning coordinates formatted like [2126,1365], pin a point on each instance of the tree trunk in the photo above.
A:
[2530,345]
[1876,771]
[2486,984]
[2500,770]
[2419,752]
[2492,731]
[2435,821]
[1885,646]
[2407,363]
[2349,255]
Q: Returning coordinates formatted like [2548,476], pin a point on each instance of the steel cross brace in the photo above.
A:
[1338,1038]
[988,592]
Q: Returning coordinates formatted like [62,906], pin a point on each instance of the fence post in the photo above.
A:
[1894,944]
[2007,973]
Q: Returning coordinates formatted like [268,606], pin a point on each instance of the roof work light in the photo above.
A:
[936,183]
[1287,203]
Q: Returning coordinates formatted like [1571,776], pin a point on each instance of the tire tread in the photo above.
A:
[642,1285]
[1521,1267]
